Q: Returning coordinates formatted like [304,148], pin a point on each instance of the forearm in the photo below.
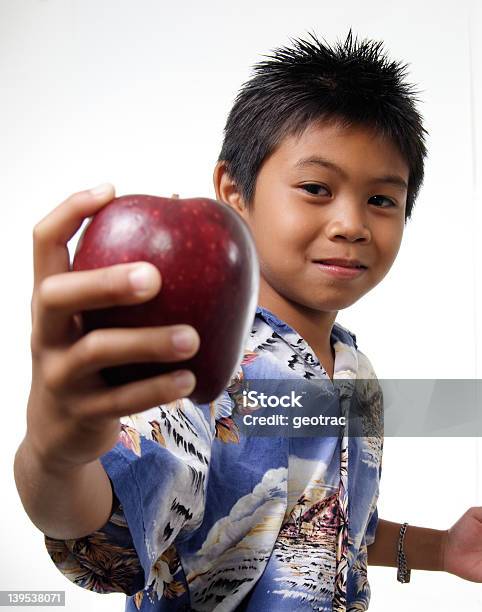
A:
[423,547]
[63,503]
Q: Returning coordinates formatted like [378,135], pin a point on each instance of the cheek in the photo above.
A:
[278,239]
[390,247]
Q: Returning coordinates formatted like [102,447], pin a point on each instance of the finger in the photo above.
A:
[110,347]
[62,295]
[51,234]
[137,396]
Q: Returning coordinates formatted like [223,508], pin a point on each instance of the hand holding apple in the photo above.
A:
[72,414]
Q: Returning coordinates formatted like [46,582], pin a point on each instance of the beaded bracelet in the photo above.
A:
[403,572]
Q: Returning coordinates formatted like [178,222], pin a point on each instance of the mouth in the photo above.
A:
[341,263]
[341,268]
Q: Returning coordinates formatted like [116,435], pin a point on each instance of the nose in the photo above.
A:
[349,223]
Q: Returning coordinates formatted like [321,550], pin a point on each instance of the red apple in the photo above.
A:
[210,278]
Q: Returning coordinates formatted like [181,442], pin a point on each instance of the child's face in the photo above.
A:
[306,211]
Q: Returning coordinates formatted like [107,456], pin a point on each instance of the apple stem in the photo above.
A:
[175,196]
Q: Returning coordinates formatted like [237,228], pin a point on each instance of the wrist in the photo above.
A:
[443,548]
[425,548]
[45,461]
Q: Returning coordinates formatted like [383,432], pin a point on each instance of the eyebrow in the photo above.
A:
[315,160]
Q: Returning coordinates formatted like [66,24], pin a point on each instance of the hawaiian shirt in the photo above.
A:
[208,517]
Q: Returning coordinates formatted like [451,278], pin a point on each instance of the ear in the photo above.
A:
[226,189]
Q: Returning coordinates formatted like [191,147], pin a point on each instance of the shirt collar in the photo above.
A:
[341,339]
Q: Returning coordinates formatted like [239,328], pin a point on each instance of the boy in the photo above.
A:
[323,158]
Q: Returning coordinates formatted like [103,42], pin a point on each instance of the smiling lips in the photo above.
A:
[341,268]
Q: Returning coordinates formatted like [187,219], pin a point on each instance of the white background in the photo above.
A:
[137,94]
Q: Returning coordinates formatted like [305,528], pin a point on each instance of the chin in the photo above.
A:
[333,304]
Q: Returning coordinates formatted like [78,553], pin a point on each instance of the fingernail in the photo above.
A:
[102,189]
[183,339]
[142,278]
[184,380]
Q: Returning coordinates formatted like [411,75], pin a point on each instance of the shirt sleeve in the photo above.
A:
[373,519]
[105,561]
[158,470]
[371,417]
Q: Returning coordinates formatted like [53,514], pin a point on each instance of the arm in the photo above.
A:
[74,443]
[62,503]
[457,550]
[424,548]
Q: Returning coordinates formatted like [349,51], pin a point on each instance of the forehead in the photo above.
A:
[356,150]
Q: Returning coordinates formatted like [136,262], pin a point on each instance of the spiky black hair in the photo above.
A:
[353,83]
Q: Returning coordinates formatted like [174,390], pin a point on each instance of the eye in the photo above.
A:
[380,197]
[313,188]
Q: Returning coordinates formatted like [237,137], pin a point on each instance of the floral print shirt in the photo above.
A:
[207,518]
